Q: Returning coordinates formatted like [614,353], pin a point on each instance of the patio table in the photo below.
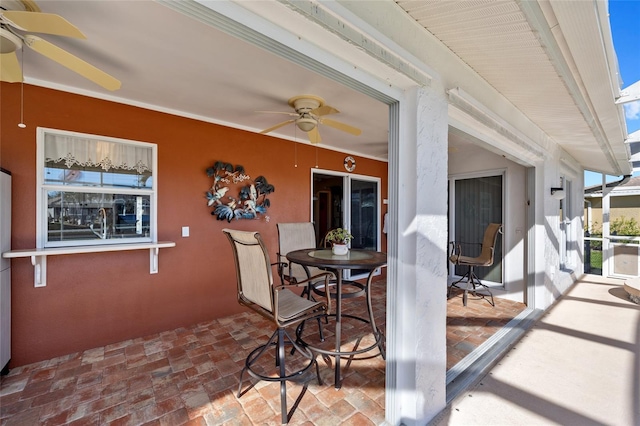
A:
[355,259]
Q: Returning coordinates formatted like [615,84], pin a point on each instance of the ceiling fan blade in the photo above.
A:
[47,23]
[314,136]
[341,126]
[10,70]
[72,62]
[277,126]
[324,110]
[292,114]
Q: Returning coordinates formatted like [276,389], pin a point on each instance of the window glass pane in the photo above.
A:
[364,217]
[364,214]
[566,216]
[328,208]
[93,216]
[83,176]
[92,161]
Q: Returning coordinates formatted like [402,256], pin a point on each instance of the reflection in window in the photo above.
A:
[83,176]
[87,216]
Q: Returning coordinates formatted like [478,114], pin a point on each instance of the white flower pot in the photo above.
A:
[340,249]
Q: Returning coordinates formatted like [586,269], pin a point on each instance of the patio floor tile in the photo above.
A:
[190,376]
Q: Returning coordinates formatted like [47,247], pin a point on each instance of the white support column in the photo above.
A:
[607,249]
[417,338]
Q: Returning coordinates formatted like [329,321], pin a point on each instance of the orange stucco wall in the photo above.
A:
[95,299]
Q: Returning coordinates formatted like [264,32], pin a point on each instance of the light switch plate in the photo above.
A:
[185,231]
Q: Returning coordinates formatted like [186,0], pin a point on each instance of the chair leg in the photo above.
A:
[283,336]
[318,371]
[283,383]
[253,356]
[465,295]
[279,339]
[240,393]
[472,282]
[307,290]
[465,278]
[475,281]
[372,321]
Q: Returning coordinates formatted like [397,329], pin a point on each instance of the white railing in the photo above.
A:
[614,256]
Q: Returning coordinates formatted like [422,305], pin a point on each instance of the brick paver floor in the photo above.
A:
[470,326]
[190,376]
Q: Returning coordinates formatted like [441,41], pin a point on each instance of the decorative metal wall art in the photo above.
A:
[252,198]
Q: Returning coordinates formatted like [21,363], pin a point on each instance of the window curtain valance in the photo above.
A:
[95,153]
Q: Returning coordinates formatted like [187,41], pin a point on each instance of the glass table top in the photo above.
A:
[328,255]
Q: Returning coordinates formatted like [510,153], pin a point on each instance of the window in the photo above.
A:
[565,226]
[94,190]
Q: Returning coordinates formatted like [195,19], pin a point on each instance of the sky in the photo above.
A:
[624,16]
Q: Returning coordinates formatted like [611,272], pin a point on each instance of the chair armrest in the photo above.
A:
[281,266]
[456,247]
[325,275]
[284,278]
[467,243]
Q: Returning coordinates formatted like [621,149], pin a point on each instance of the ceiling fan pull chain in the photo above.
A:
[21,123]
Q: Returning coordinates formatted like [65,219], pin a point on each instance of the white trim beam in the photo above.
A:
[343,28]
[630,94]
[521,148]
[536,18]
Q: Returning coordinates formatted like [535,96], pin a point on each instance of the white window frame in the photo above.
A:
[42,188]
[570,224]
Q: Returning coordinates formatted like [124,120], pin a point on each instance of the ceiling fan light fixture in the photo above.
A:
[305,103]
[310,112]
[306,124]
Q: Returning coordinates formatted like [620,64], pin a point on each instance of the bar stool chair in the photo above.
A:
[484,259]
[279,305]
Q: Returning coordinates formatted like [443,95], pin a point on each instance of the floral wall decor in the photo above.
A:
[251,200]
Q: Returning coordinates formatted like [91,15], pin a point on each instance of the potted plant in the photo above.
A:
[339,238]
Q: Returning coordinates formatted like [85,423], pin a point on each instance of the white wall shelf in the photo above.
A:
[39,255]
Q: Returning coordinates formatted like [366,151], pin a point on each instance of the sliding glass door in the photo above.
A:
[477,202]
[360,213]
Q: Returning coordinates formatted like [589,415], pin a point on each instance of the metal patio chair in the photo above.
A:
[279,305]
[295,236]
[484,259]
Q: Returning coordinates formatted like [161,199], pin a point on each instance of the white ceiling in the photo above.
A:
[549,59]
[170,62]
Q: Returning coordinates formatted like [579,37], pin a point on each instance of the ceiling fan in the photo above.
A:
[20,16]
[309,113]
